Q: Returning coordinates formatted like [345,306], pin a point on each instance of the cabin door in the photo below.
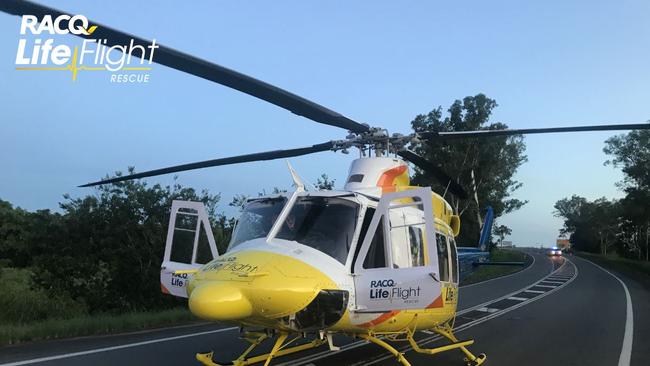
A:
[190,244]
[397,264]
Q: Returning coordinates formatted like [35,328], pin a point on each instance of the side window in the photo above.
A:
[443,257]
[416,242]
[407,228]
[185,227]
[399,246]
[367,217]
[454,259]
[376,257]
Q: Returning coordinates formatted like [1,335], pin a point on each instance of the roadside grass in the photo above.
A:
[484,273]
[637,269]
[92,325]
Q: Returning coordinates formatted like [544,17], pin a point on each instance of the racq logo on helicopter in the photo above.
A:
[387,290]
[229,264]
[94,54]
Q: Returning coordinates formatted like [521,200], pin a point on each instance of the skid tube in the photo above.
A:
[280,348]
[408,336]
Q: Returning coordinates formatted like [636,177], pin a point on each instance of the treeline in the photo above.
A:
[621,226]
[101,253]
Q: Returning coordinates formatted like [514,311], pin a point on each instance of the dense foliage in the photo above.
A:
[101,253]
[602,225]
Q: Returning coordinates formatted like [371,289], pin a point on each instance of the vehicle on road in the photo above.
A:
[554,251]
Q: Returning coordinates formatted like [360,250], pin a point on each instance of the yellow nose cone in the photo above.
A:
[219,301]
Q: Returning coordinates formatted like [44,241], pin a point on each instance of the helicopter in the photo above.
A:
[376,260]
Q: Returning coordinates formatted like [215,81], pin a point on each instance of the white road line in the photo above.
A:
[517,298]
[106,349]
[535,291]
[488,310]
[551,281]
[547,286]
[628,335]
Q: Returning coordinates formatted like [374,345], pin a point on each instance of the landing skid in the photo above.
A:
[408,336]
[281,347]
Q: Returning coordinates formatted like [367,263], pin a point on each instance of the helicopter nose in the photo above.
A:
[219,301]
[259,287]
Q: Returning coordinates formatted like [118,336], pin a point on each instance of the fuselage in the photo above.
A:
[294,261]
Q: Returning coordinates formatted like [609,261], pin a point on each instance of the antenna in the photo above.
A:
[300,186]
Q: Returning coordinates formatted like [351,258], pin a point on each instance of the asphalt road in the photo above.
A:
[575,314]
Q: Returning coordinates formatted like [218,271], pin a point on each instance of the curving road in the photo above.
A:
[550,313]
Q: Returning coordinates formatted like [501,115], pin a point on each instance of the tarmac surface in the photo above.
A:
[554,312]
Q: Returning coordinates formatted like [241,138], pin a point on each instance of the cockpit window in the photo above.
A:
[257,219]
[323,223]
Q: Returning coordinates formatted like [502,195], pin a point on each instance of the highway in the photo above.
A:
[553,312]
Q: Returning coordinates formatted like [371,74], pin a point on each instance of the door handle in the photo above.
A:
[433,275]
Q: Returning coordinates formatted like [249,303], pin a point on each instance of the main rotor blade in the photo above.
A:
[267,155]
[435,171]
[201,68]
[526,131]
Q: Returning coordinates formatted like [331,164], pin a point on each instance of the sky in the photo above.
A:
[551,63]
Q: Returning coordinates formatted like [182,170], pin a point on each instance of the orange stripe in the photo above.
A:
[437,303]
[164,289]
[387,179]
[382,318]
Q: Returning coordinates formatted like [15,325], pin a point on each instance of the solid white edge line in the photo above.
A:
[628,335]
[106,349]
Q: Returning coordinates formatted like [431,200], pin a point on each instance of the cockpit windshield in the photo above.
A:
[257,219]
[323,223]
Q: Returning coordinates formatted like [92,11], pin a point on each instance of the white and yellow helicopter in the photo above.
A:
[376,260]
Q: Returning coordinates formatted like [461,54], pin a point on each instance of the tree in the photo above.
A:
[105,249]
[571,210]
[324,183]
[13,230]
[486,167]
[631,153]
[501,231]
[592,225]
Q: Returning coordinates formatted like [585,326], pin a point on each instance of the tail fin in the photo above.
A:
[487,227]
